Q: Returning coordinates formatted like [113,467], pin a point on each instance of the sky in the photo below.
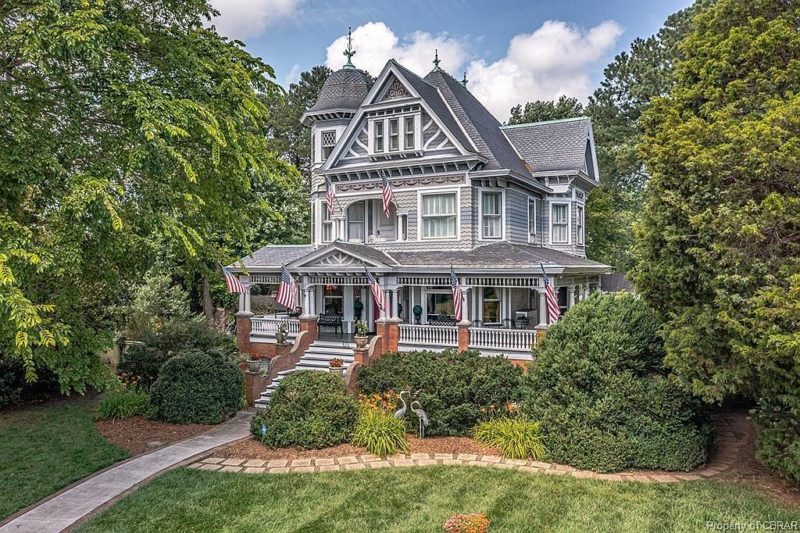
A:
[512,51]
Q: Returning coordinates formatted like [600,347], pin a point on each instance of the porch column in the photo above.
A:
[463,325]
[244,324]
[395,302]
[244,298]
[585,291]
[542,310]
[570,296]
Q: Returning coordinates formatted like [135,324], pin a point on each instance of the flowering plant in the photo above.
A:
[336,363]
[387,401]
[467,523]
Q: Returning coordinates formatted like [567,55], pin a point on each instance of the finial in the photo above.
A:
[464,81]
[349,52]
[436,61]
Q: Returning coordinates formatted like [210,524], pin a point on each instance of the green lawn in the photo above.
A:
[44,448]
[421,499]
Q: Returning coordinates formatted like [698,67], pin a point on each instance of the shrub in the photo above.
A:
[467,523]
[456,389]
[516,438]
[600,393]
[197,387]
[122,404]
[15,389]
[379,432]
[309,409]
[140,363]
[154,304]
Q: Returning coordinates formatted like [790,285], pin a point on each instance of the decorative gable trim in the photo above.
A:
[334,256]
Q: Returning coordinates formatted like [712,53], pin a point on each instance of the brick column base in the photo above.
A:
[309,323]
[254,383]
[243,328]
[390,336]
[463,336]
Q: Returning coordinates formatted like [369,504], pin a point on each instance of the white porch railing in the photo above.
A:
[263,325]
[434,336]
[515,340]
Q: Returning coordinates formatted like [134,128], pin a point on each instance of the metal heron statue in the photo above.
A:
[422,415]
[401,413]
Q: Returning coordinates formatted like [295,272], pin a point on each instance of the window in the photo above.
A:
[333,300]
[491,305]
[531,218]
[355,222]
[394,134]
[328,141]
[377,135]
[579,224]
[409,133]
[402,227]
[559,222]
[440,304]
[492,214]
[439,216]
[327,224]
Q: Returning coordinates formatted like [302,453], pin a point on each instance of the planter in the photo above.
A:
[361,342]
[280,338]
[253,365]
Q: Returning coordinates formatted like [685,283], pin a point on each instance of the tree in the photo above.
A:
[542,110]
[718,247]
[128,131]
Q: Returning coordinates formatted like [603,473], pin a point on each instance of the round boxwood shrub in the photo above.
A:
[196,387]
[309,409]
[602,397]
[456,389]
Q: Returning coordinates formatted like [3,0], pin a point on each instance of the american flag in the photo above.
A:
[377,293]
[233,283]
[457,294]
[287,292]
[553,311]
[330,196]
[388,195]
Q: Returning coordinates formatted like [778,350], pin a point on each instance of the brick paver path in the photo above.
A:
[728,442]
[77,502]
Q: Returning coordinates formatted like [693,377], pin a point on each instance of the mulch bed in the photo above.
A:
[138,434]
[253,449]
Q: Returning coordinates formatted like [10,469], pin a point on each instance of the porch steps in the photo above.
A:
[317,357]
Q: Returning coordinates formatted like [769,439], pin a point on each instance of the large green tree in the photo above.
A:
[719,243]
[128,131]
[542,110]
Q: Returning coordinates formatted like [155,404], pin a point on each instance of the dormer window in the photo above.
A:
[327,141]
[377,142]
[409,133]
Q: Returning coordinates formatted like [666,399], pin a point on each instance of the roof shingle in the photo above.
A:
[557,145]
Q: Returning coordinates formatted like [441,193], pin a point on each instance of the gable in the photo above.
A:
[341,254]
[393,89]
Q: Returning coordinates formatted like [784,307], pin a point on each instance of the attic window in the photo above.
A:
[328,141]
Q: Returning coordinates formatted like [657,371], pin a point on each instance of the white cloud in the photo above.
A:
[375,43]
[293,76]
[553,60]
[241,19]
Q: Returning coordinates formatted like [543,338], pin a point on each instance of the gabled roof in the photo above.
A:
[482,127]
[552,146]
[275,255]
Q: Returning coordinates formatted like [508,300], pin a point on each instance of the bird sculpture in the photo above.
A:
[401,413]
[422,415]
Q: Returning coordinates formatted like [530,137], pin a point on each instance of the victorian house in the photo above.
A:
[496,203]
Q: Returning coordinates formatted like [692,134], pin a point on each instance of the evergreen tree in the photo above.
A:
[542,110]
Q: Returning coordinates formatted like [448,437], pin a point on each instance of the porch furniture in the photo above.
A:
[522,322]
[442,322]
[332,321]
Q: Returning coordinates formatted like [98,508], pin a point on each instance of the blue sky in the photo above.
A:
[512,50]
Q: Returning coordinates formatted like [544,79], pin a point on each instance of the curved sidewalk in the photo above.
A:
[75,503]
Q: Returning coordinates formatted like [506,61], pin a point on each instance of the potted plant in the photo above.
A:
[337,365]
[417,310]
[358,306]
[361,334]
[281,333]
[252,362]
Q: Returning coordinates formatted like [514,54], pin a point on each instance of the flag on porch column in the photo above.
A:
[377,293]
[458,296]
[553,310]
[388,195]
[232,282]
[287,291]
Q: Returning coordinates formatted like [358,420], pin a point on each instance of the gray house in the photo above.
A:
[494,202]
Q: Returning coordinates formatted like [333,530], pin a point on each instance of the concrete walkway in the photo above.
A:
[72,505]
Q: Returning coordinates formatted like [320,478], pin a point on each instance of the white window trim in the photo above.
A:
[481,192]
[323,222]
[420,228]
[532,236]
[580,212]
[398,236]
[569,222]
[401,131]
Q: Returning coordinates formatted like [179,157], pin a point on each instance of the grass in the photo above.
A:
[44,448]
[421,499]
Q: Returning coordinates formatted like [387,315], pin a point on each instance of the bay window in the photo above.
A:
[328,142]
[492,215]
[559,223]
[439,216]
[356,222]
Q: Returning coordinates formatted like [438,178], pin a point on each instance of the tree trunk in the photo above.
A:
[208,303]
